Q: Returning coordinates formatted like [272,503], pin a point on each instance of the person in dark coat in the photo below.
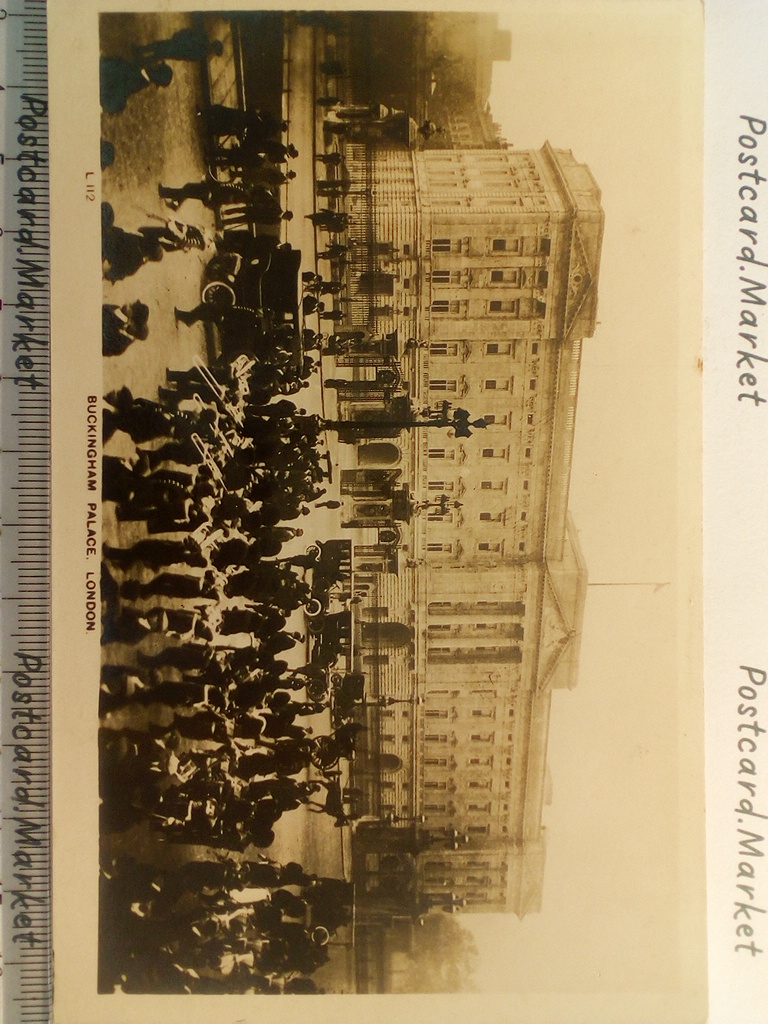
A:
[329,219]
[122,325]
[223,120]
[269,176]
[141,418]
[157,553]
[190,44]
[119,79]
[278,152]
[334,252]
[210,193]
[124,253]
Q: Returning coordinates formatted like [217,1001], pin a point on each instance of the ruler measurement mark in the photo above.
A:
[25,417]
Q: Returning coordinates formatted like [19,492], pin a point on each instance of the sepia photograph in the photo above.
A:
[397,598]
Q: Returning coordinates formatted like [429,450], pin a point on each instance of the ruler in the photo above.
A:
[25,476]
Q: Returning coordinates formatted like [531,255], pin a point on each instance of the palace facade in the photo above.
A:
[474,277]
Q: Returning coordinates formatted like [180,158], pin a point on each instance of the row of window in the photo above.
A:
[472,762]
[476,712]
[468,607]
[490,348]
[488,384]
[475,737]
[471,808]
[484,517]
[511,245]
[447,548]
[486,453]
[437,548]
[457,629]
[515,277]
[520,309]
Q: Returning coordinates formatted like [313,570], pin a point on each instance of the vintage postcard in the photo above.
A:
[377,632]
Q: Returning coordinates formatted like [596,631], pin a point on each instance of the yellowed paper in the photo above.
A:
[513,606]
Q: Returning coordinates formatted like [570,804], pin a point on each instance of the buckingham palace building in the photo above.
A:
[472,279]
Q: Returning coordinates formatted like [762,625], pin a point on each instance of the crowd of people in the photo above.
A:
[217,925]
[214,701]
[204,740]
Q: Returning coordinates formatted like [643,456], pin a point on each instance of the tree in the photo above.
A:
[444,957]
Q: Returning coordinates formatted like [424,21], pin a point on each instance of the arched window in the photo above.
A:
[378,453]
[390,763]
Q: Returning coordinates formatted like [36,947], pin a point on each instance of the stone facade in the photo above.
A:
[481,268]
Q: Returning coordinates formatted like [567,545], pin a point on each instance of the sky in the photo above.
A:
[617,83]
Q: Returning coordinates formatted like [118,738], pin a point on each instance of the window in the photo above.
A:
[530,419]
[440,548]
[441,245]
[528,453]
[511,306]
[523,516]
[486,517]
[483,713]
[494,453]
[506,245]
[440,485]
[532,384]
[444,348]
[445,306]
[436,762]
[434,807]
[514,277]
[478,737]
[435,785]
[542,279]
[436,713]
[492,485]
[545,244]
[535,347]
[531,309]
[442,453]
[476,783]
[526,485]
[387,737]
[521,546]
[437,737]
[479,808]
[488,546]
[446,277]
[493,348]
[477,762]
[494,384]
[442,385]
[479,830]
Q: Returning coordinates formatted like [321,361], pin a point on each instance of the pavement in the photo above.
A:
[157,140]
